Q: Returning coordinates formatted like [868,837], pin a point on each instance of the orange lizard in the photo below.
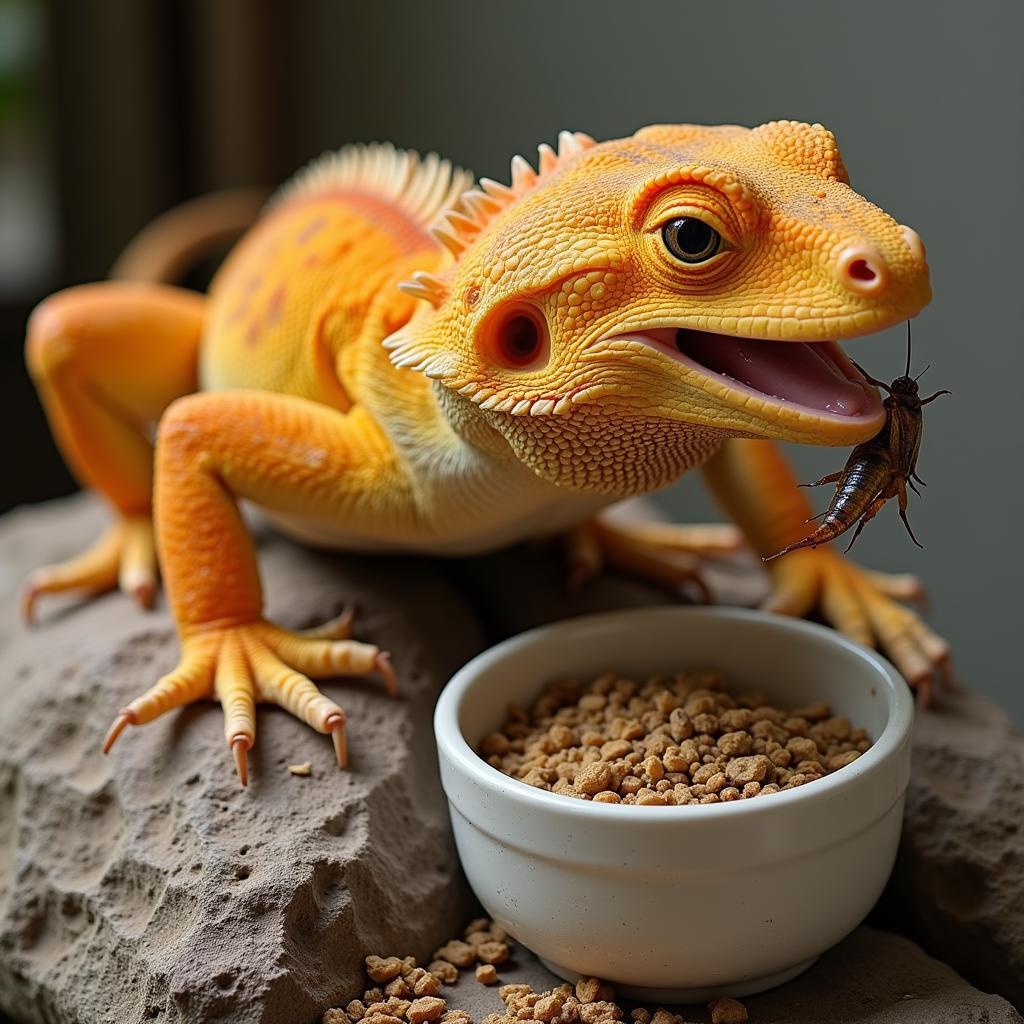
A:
[394,360]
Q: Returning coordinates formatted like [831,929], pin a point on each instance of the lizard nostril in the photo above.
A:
[860,268]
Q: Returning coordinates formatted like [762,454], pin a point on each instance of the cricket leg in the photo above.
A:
[107,360]
[901,494]
[288,455]
[831,478]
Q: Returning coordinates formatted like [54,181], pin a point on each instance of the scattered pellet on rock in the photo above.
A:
[399,989]
[672,740]
[383,969]
[728,1011]
[426,984]
[483,946]
[427,1008]
[492,952]
[444,971]
[662,1016]
[456,952]
[301,769]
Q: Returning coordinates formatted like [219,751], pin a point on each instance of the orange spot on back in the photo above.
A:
[311,229]
[276,305]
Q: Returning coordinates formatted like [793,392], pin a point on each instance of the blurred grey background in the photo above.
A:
[112,111]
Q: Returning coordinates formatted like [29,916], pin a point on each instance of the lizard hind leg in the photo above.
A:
[666,554]
[124,556]
[107,359]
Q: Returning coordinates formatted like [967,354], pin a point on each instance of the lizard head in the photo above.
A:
[637,300]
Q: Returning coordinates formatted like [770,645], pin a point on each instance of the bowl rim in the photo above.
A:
[457,749]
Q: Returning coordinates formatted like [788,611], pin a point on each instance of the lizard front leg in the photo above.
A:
[288,455]
[756,487]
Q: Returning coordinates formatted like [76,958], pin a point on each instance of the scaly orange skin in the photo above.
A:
[443,445]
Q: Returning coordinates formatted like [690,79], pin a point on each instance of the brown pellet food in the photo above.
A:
[672,740]
[728,1011]
[590,1001]
[427,1008]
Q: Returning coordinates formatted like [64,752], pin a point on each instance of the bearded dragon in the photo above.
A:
[392,359]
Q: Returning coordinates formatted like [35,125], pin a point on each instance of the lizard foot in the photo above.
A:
[124,556]
[861,604]
[258,661]
[663,553]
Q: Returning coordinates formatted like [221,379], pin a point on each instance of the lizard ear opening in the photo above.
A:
[518,338]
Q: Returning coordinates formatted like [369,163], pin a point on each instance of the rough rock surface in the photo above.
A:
[872,977]
[960,875]
[148,884]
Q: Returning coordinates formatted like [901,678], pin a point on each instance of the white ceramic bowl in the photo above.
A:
[680,904]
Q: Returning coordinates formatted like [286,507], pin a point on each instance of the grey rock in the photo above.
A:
[959,879]
[871,977]
[148,884]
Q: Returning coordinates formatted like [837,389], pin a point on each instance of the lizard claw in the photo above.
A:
[336,724]
[124,719]
[240,747]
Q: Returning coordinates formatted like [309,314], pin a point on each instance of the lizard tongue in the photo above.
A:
[792,371]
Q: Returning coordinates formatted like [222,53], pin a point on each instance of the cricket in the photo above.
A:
[879,469]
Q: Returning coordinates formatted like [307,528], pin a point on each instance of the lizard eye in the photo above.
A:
[690,240]
[519,339]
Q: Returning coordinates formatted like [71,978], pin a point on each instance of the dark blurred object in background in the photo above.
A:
[110,112]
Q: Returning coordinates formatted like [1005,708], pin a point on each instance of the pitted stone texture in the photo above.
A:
[871,977]
[148,884]
[960,874]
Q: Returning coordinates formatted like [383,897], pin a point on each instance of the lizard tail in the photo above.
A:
[165,250]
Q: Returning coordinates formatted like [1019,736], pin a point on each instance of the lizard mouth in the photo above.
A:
[813,378]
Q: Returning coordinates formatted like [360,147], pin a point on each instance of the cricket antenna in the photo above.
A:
[907,373]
